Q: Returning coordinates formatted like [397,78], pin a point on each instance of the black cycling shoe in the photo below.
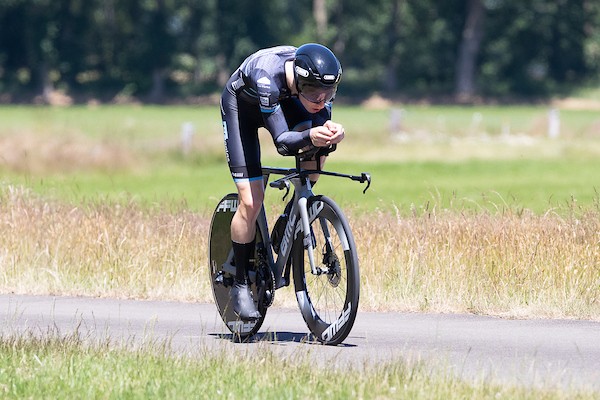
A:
[243,305]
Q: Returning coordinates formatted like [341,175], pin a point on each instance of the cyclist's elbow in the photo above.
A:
[283,150]
[282,147]
[289,143]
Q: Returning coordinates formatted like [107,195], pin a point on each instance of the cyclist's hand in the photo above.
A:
[337,130]
[326,135]
[320,136]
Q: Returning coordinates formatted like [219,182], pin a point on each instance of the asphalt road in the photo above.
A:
[541,353]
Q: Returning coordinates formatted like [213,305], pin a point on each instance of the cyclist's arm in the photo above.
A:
[287,142]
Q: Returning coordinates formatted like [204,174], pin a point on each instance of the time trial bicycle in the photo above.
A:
[311,239]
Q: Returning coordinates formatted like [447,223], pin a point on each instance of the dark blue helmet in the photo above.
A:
[317,70]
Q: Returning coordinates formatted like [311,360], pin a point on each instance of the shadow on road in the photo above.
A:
[275,338]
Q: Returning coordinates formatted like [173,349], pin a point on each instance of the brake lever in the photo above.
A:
[365,177]
[287,190]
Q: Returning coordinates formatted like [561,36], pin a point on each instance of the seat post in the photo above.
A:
[299,168]
[318,160]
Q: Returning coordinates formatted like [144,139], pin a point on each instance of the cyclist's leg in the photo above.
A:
[243,224]
[243,155]
[251,196]
[243,232]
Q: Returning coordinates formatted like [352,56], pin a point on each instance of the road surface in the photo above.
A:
[540,353]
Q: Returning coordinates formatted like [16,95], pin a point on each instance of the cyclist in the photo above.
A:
[289,91]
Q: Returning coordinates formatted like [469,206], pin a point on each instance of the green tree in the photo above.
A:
[533,47]
[151,49]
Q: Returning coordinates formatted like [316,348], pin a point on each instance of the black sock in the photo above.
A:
[241,255]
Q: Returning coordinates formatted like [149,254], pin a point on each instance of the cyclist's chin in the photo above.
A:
[311,107]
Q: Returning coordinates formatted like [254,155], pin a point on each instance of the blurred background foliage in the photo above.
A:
[184,50]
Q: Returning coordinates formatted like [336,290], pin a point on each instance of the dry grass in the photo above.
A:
[32,153]
[100,250]
[509,264]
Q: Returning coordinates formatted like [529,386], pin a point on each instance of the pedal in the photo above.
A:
[268,298]
[223,280]
[219,278]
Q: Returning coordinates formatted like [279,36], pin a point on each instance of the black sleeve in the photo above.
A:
[287,142]
[290,142]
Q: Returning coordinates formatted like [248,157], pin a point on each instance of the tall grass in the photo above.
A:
[512,263]
[100,249]
[508,264]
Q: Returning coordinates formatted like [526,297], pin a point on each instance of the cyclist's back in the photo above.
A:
[267,64]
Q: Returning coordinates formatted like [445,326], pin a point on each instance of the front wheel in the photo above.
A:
[328,297]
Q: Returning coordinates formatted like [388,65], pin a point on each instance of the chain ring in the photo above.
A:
[264,274]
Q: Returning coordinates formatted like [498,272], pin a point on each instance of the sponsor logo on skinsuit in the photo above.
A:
[264,83]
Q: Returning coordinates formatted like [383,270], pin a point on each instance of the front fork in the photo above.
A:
[307,239]
[309,243]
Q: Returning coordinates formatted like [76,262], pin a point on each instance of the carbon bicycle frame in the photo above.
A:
[302,192]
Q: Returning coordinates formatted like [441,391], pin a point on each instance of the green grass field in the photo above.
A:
[443,158]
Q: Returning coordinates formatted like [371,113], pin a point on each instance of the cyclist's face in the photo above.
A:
[314,99]
[311,107]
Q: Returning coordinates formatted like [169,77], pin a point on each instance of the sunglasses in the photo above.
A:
[318,95]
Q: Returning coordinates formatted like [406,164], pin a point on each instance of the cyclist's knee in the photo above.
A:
[250,206]
[251,196]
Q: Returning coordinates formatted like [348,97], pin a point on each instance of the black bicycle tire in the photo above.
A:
[327,331]
[219,294]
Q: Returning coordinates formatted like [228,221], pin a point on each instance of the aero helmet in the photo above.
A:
[317,72]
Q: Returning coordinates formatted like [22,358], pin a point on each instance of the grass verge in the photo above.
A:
[67,367]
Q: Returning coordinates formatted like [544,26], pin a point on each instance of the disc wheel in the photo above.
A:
[222,270]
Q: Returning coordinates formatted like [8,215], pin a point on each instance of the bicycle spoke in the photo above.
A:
[327,298]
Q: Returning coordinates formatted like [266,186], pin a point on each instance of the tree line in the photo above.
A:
[155,50]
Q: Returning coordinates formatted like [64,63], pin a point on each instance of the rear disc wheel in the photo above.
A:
[222,271]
